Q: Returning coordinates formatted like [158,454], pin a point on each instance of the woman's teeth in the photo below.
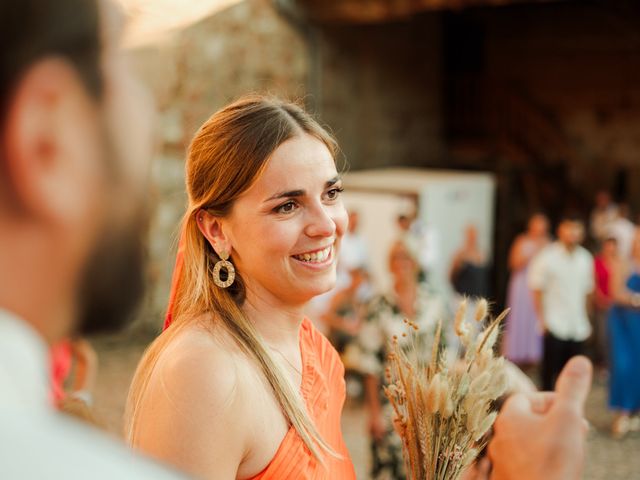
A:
[316,257]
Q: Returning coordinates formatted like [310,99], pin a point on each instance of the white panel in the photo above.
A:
[447,207]
[377,214]
[448,202]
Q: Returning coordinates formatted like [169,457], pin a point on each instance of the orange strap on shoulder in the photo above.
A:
[175,278]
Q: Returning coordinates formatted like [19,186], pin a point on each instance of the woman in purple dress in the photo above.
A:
[522,340]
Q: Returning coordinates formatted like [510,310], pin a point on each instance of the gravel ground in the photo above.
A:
[607,459]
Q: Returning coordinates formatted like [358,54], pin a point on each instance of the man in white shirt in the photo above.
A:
[561,277]
[74,148]
[354,252]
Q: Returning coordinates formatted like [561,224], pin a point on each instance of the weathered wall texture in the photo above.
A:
[581,65]
[245,49]
[379,89]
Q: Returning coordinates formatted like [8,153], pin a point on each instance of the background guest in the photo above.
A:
[469,271]
[523,342]
[469,277]
[623,230]
[344,315]
[384,319]
[562,280]
[604,212]
[603,264]
[624,331]
[354,251]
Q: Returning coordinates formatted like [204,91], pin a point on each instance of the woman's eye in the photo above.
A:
[334,193]
[287,207]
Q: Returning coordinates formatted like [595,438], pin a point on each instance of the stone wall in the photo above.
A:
[249,48]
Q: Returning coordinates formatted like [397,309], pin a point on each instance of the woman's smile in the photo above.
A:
[318,259]
[285,230]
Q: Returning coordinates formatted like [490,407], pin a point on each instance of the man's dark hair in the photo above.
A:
[570,216]
[34,29]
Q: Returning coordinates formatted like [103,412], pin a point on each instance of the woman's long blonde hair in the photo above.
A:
[226,156]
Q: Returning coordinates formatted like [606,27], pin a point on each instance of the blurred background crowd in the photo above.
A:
[492,151]
[564,300]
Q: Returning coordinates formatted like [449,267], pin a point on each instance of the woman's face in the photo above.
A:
[402,265]
[538,226]
[285,230]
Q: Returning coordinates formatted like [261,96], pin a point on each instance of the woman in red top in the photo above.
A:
[240,385]
[603,264]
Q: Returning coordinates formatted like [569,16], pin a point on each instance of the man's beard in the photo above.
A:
[114,279]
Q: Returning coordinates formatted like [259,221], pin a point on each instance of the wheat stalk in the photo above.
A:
[443,412]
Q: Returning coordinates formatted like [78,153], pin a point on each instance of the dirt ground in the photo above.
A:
[606,459]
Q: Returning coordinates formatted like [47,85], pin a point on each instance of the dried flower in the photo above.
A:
[460,323]
[470,456]
[472,420]
[490,341]
[463,386]
[448,409]
[499,385]
[442,411]
[445,394]
[480,383]
[484,427]
[433,394]
[484,358]
[481,310]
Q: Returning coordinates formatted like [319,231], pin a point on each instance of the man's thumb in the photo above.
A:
[574,383]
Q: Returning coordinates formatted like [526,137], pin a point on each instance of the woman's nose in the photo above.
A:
[320,223]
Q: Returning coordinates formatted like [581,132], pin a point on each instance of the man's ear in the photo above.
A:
[213,229]
[49,125]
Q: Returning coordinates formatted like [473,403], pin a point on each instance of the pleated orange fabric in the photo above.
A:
[323,390]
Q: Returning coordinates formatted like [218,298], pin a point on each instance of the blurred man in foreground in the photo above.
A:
[74,143]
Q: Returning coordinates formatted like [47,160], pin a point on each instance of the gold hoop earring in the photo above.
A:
[228,266]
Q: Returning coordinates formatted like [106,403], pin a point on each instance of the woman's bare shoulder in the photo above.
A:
[193,410]
[201,361]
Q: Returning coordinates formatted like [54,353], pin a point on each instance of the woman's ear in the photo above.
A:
[212,228]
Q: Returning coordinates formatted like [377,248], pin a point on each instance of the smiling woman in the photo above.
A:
[241,385]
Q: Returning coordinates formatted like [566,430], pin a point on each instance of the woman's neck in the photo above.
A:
[277,323]
[406,294]
[402,285]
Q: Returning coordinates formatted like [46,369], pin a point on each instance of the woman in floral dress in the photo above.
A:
[385,317]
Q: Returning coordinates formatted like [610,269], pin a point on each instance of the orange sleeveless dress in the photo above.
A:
[323,390]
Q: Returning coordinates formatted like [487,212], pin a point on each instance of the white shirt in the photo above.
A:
[354,252]
[422,242]
[37,442]
[623,230]
[565,279]
[601,219]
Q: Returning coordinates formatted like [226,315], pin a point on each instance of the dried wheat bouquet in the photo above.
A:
[442,412]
